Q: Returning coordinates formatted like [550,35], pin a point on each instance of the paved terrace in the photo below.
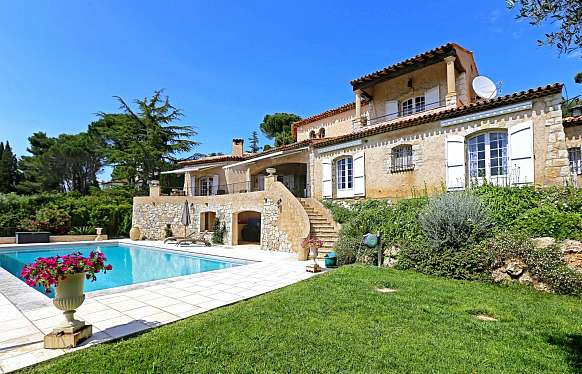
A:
[27,315]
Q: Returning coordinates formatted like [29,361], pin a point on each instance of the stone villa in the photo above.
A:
[414,127]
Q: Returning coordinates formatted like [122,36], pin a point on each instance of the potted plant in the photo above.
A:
[312,245]
[67,274]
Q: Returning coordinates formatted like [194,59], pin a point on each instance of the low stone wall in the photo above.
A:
[58,238]
[284,222]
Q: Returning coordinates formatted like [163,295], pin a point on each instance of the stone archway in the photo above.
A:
[246,227]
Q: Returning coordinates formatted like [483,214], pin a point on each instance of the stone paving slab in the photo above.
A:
[26,315]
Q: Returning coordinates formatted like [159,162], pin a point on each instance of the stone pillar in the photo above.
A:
[451,97]
[248,180]
[154,188]
[358,119]
[271,178]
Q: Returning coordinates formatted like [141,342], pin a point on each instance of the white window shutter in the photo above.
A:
[359,175]
[455,152]
[192,185]
[214,184]
[521,160]
[391,109]
[326,179]
[432,98]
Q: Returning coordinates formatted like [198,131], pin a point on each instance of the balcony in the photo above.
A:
[406,112]
[210,190]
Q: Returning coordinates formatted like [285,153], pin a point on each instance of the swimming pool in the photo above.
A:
[131,264]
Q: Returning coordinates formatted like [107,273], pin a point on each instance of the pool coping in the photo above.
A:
[128,310]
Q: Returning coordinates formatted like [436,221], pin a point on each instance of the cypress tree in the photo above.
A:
[8,169]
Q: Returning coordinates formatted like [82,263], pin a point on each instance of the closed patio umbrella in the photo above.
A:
[186,216]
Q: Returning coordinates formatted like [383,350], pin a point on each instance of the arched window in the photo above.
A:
[344,173]
[322,132]
[487,156]
[312,134]
[402,158]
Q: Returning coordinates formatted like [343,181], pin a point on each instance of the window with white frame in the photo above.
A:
[312,134]
[575,159]
[402,158]
[322,132]
[205,184]
[487,155]
[344,173]
[413,105]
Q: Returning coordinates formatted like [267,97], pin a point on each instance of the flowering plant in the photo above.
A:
[48,271]
[310,242]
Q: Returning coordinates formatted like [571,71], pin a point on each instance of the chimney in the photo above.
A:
[237,147]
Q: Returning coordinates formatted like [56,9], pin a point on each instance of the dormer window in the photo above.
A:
[322,132]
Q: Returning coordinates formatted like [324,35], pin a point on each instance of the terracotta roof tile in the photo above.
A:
[328,113]
[572,121]
[431,117]
[440,52]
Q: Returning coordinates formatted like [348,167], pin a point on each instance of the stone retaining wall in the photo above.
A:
[284,222]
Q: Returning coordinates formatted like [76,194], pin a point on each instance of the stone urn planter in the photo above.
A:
[69,296]
[134,233]
[66,274]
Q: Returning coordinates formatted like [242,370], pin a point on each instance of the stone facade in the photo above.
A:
[284,222]
[428,142]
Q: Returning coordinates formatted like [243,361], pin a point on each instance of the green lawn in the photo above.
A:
[337,322]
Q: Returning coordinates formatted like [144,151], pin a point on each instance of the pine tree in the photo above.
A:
[254,142]
[8,169]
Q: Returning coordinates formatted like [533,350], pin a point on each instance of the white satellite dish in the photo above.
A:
[484,87]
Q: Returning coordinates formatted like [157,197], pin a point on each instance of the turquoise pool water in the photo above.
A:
[131,264]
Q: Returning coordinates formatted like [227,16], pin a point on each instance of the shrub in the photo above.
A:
[549,221]
[340,213]
[218,231]
[455,220]
[469,263]
[349,250]
[54,219]
[545,263]
[82,230]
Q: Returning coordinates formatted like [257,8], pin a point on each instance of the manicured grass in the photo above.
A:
[339,322]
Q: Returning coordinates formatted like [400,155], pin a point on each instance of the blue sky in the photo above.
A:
[227,64]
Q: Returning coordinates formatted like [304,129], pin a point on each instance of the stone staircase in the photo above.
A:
[321,226]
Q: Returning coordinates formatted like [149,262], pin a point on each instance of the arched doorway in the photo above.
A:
[246,228]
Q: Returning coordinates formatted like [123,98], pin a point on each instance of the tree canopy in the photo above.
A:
[278,126]
[254,142]
[567,14]
[141,143]
[8,169]
[65,163]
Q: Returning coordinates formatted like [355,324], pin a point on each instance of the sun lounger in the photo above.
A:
[200,239]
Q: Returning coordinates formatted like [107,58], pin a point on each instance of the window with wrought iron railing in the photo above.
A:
[402,159]
[575,159]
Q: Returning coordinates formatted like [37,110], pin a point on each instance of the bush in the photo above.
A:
[469,263]
[549,221]
[82,230]
[349,250]
[340,213]
[54,219]
[455,220]
[218,231]
[526,207]
[545,264]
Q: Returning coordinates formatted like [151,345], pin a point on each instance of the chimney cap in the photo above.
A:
[237,140]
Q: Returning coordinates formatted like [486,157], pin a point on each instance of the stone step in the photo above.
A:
[324,225]
[323,230]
